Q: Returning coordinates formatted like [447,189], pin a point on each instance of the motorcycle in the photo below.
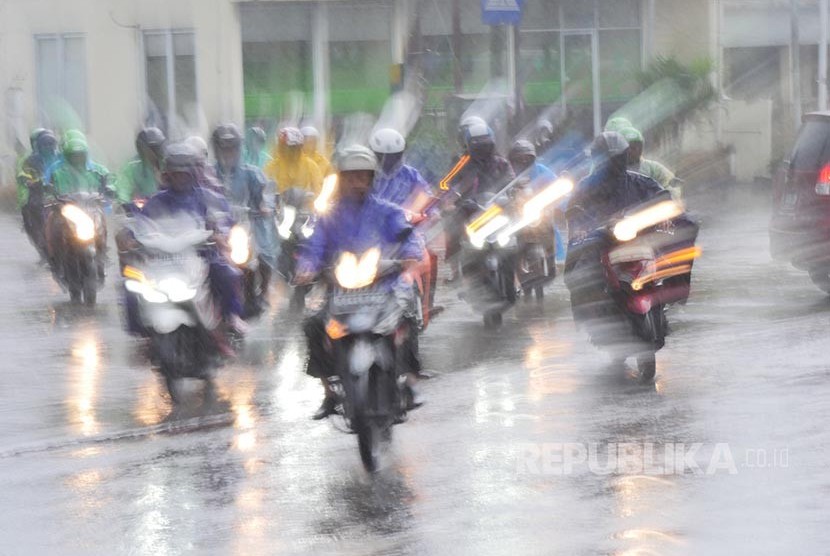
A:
[296,226]
[175,305]
[33,218]
[243,253]
[365,326]
[646,260]
[536,264]
[79,231]
[491,254]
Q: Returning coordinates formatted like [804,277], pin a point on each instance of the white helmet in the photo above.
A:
[310,131]
[387,141]
[356,157]
[470,121]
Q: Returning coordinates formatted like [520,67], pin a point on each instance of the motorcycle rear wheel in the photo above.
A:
[821,278]
[297,302]
[492,320]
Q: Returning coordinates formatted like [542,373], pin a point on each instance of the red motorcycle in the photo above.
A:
[646,259]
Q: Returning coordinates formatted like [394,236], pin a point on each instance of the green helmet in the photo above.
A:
[75,145]
[617,123]
[70,134]
[632,135]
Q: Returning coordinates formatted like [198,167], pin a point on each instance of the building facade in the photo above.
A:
[185,65]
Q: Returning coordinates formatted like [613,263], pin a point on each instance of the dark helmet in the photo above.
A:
[522,147]
[180,157]
[609,144]
[226,136]
[479,134]
[151,138]
[257,133]
[34,135]
[45,139]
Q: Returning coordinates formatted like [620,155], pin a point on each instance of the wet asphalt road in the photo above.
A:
[93,462]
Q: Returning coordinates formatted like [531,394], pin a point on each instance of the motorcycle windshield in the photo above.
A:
[174,234]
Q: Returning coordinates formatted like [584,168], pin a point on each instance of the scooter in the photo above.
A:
[176,308]
[80,233]
[244,255]
[295,226]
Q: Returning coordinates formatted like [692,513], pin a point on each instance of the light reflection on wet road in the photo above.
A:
[93,462]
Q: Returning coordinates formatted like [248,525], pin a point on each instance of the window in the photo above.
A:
[61,81]
[277,59]
[170,69]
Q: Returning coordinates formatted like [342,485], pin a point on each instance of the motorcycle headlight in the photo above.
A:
[289,214]
[628,228]
[533,208]
[353,273]
[145,290]
[81,221]
[240,245]
[480,234]
[176,290]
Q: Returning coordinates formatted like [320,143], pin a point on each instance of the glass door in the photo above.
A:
[580,82]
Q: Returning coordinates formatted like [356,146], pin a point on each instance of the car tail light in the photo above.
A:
[823,183]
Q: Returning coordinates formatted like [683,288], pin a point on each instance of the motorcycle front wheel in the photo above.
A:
[368,443]
[180,354]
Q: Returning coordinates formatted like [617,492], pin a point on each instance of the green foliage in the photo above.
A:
[688,85]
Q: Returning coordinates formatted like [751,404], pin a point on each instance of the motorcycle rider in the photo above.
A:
[357,221]
[255,153]
[140,177]
[77,174]
[184,194]
[30,186]
[395,181]
[402,185]
[311,147]
[245,186]
[650,168]
[486,172]
[66,136]
[607,191]
[291,167]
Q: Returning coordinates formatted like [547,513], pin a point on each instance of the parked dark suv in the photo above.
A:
[800,226]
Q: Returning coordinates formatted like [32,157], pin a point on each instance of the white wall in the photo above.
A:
[114,61]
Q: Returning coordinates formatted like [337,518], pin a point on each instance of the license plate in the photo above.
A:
[790,200]
[168,258]
[345,299]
